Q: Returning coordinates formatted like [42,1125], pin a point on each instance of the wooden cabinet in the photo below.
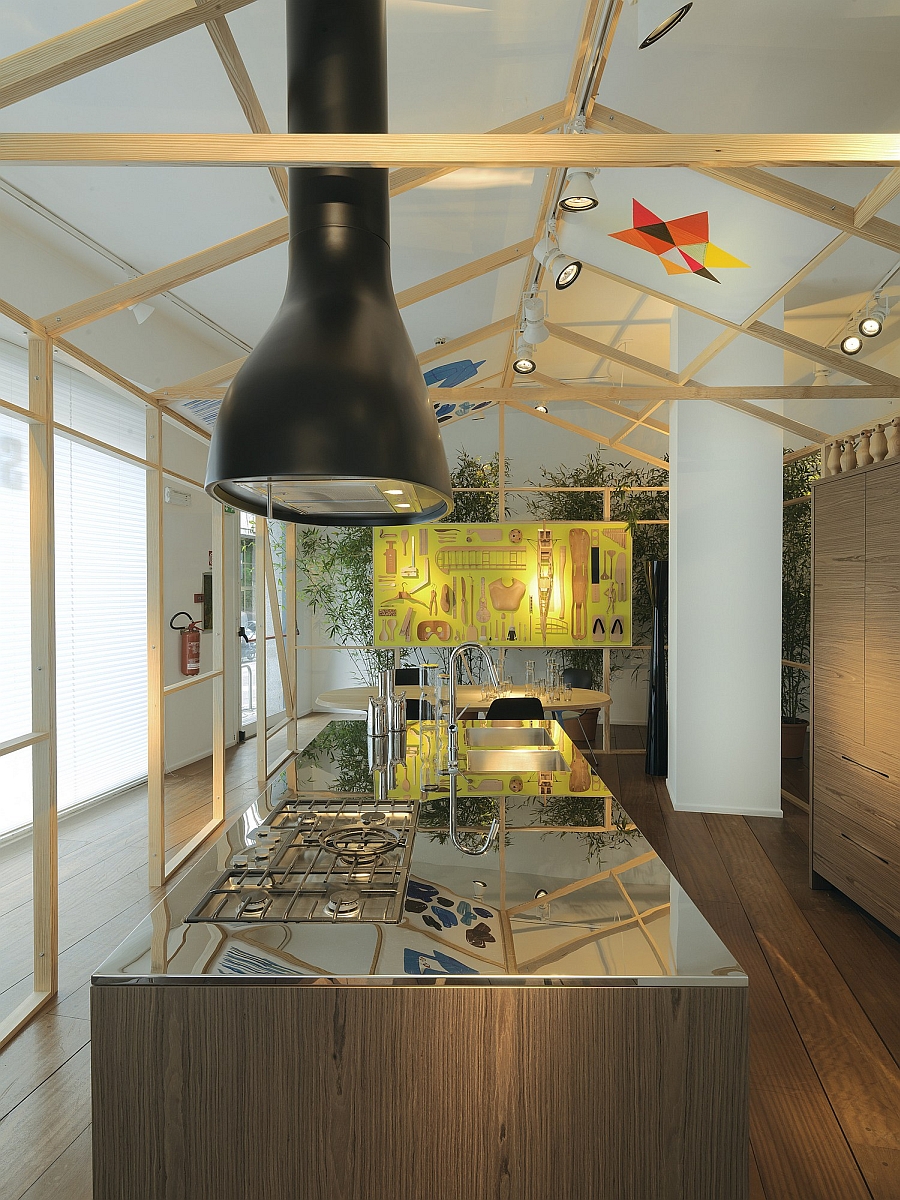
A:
[855,809]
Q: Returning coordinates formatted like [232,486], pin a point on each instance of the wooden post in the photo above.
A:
[156,707]
[43,667]
[260,603]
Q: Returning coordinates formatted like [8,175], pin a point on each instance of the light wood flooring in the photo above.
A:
[825,982]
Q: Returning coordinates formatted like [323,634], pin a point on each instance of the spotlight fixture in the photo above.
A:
[563,269]
[851,344]
[666,26]
[524,363]
[578,194]
[535,330]
[873,322]
[541,408]
[141,312]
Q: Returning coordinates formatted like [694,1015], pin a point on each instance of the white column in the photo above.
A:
[725,586]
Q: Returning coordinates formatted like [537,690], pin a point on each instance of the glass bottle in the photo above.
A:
[529,678]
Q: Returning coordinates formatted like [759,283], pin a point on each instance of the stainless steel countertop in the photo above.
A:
[612,914]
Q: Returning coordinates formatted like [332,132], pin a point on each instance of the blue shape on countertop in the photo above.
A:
[416,963]
[464,908]
[447,918]
[483,912]
[421,891]
[449,375]
[432,923]
[442,900]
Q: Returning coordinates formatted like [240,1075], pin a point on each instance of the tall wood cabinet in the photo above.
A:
[855,793]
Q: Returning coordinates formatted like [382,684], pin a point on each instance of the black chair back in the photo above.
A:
[577,677]
[404,675]
[516,708]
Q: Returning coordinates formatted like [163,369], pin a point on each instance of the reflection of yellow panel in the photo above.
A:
[551,584]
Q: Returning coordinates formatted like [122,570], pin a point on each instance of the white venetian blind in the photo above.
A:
[15,612]
[101,599]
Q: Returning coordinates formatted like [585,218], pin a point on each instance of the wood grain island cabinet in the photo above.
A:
[554,1020]
[855,793]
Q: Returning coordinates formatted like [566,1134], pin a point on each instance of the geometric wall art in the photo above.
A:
[682,246]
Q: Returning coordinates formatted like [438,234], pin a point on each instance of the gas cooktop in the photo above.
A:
[325,857]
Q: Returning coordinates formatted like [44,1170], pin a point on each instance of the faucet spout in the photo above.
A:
[453,747]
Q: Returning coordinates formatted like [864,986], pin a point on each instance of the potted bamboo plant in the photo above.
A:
[796,592]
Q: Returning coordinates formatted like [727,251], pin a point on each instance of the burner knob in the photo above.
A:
[240,860]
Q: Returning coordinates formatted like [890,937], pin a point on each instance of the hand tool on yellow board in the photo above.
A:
[403,595]
[562,582]
[412,571]
[404,538]
[616,535]
[464,607]
[390,558]
[454,595]
[445,598]
[621,577]
[406,627]
[595,566]
[545,577]
[433,606]
[579,551]
[471,630]
[484,613]
[423,540]
[484,558]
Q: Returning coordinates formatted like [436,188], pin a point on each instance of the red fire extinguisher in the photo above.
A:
[190,644]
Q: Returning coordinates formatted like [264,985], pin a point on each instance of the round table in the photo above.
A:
[356,699]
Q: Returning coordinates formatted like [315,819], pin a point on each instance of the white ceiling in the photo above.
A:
[772,65]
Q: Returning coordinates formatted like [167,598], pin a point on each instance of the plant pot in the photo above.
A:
[793,737]
[588,723]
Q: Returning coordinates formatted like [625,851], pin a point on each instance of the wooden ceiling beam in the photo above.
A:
[464,274]
[821,354]
[604,396]
[452,150]
[778,191]
[208,379]
[103,41]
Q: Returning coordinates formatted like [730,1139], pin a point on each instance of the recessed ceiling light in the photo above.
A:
[394,492]
[851,344]
[561,267]
[666,26]
[524,363]
[541,408]
[404,506]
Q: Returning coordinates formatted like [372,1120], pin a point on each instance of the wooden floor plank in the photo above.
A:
[860,1076]
[39,1050]
[69,1176]
[866,954]
[45,1124]
[757,1191]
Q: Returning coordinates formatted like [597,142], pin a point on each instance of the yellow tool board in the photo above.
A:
[553,584]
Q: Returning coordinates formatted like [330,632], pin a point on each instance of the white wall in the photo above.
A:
[725,589]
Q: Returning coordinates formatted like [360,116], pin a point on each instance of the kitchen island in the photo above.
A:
[335,1003]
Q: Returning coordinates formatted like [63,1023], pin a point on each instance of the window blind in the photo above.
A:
[15,616]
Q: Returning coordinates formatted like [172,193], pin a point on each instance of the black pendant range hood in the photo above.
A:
[328,422]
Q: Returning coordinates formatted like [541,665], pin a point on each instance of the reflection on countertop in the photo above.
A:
[350,878]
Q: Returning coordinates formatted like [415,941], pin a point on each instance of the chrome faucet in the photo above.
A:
[453,747]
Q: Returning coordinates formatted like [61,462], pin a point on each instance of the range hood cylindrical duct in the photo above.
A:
[328,421]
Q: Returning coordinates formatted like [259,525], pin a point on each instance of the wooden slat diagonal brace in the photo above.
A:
[103,41]
[467,339]
[821,354]
[239,77]
[588,433]
[586,394]
[883,193]
[610,352]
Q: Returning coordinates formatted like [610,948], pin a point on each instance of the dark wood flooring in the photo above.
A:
[824,999]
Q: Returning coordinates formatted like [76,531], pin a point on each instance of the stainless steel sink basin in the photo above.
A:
[535,736]
[488,760]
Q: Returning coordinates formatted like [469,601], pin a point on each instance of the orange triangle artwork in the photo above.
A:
[682,246]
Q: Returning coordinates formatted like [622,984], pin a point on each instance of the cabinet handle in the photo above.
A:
[864,767]
[866,849]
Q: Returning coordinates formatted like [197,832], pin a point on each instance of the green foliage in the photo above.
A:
[472,508]
[343,746]
[335,572]
[796,585]
[650,542]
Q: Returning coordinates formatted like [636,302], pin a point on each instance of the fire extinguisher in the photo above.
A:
[190,644]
